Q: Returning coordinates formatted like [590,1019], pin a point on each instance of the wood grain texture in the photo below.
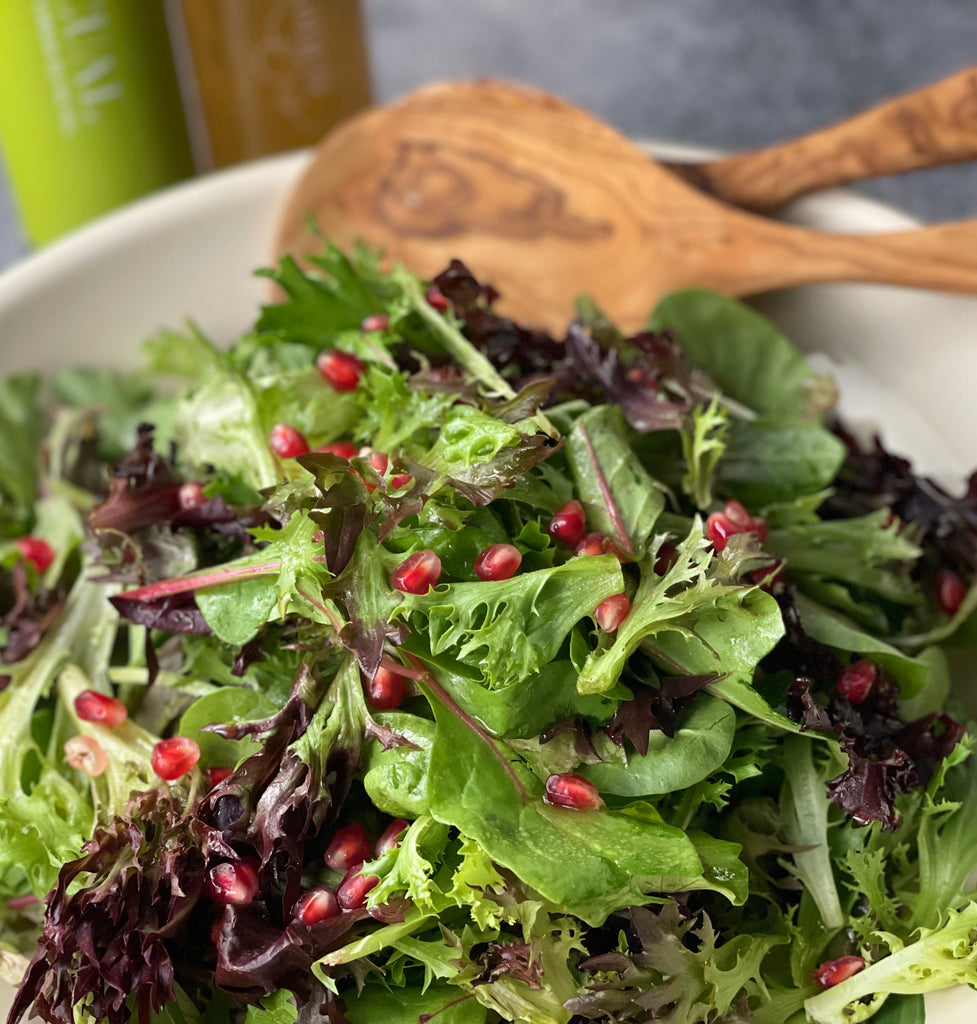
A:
[929,127]
[545,202]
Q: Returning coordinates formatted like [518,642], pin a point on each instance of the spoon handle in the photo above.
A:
[929,127]
[942,257]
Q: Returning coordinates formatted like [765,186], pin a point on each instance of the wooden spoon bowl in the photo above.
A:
[546,202]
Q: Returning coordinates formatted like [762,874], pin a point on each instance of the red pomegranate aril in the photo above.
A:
[86,754]
[37,551]
[568,524]
[215,776]
[736,513]
[719,529]
[417,573]
[92,706]
[592,544]
[834,972]
[344,449]
[342,369]
[612,611]
[348,848]
[191,495]
[400,480]
[286,442]
[498,562]
[857,681]
[950,591]
[574,792]
[354,889]
[378,460]
[173,758]
[232,883]
[385,691]
[390,836]
[375,322]
[436,298]
[316,906]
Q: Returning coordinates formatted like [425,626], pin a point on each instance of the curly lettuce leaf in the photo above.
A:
[506,631]
[691,621]
[938,958]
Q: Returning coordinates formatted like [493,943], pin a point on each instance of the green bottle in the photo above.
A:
[90,111]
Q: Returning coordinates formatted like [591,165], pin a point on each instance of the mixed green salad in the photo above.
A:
[404,664]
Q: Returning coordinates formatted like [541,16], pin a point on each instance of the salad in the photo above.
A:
[406,664]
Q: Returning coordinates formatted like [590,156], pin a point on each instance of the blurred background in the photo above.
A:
[213,82]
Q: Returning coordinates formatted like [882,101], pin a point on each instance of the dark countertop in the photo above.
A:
[711,72]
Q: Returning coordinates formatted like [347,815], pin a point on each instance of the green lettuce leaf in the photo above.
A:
[506,631]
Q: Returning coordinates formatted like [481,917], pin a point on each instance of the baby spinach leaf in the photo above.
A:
[742,351]
[768,461]
[702,742]
[828,627]
[520,709]
[586,863]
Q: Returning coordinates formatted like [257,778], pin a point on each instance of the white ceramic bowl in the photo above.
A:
[906,360]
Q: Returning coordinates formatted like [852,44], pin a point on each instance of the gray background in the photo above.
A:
[725,73]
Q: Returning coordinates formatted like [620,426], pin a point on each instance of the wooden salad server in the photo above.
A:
[928,127]
[546,202]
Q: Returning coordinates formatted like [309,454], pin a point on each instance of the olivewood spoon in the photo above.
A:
[546,202]
[928,127]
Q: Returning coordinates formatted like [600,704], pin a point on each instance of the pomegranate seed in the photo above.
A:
[341,369]
[436,298]
[215,776]
[348,848]
[719,529]
[833,972]
[375,322]
[390,836]
[36,551]
[498,562]
[344,449]
[734,518]
[592,544]
[857,681]
[568,524]
[174,757]
[573,791]
[234,884]
[354,888]
[385,691]
[612,611]
[315,906]
[286,442]
[378,460]
[86,754]
[598,544]
[950,591]
[92,706]
[400,480]
[191,495]
[417,573]
[738,516]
